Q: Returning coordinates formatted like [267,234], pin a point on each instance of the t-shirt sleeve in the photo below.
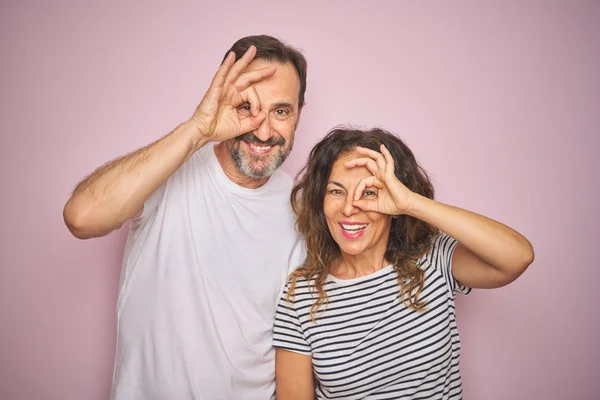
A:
[176,181]
[288,332]
[441,258]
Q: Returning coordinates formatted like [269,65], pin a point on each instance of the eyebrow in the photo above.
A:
[336,184]
[283,104]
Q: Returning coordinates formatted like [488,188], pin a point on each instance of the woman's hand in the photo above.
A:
[392,197]
[489,255]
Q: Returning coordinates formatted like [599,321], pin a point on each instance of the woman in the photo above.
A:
[371,311]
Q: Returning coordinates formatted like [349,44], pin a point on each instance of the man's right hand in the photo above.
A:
[217,117]
[116,192]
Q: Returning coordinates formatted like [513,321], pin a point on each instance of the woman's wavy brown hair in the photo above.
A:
[410,238]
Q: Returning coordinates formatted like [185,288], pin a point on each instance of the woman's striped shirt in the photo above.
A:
[366,344]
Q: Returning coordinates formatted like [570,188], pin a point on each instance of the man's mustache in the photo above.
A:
[250,138]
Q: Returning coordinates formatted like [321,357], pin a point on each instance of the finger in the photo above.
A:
[365,205]
[368,152]
[389,167]
[251,77]
[251,96]
[378,157]
[219,78]
[366,183]
[240,65]
[251,123]
[362,185]
[364,162]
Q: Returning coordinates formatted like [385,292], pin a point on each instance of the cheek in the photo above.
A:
[330,208]
[286,128]
[381,222]
[327,210]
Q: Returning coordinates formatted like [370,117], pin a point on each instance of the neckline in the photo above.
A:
[221,176]
[383,271]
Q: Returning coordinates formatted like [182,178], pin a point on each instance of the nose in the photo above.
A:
[348,208]
[264,130]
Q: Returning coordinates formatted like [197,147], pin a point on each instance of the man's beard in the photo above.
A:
[258,166]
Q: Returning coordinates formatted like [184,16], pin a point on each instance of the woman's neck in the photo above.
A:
[355,266]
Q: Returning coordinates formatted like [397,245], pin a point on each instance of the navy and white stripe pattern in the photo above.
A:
[366,344]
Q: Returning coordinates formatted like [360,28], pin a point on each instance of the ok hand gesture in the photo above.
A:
[217,116]
[392,197]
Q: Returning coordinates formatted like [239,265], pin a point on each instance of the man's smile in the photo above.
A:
[256,148]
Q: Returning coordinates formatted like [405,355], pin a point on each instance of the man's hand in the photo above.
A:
[217,117]
[116,192]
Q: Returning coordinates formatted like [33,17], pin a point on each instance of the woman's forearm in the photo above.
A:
[497,244]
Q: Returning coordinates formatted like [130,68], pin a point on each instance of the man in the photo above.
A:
[212,234]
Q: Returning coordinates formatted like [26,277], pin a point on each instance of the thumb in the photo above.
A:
[365,205]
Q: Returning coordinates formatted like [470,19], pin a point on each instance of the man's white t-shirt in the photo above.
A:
[203,270]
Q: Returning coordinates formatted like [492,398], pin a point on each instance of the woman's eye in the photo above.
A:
[335,191]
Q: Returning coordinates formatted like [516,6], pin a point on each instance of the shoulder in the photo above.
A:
[280,181]
[440,251]
[300,283]
[438,263]
[300,289]
[205,154]
[202,162]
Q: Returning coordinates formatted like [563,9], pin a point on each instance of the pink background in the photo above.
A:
[499,100]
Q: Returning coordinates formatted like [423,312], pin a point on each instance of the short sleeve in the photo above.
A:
[441,258]
[177,180]
[288,333]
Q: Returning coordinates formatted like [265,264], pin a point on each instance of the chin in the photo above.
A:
[260,171]
[351,250]
[256,167]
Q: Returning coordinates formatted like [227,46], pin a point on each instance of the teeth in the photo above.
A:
[260,148]
[353,228]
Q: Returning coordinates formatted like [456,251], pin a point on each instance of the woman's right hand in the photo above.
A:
[231,105]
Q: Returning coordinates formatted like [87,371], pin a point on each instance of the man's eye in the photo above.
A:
[369,193]
[244,109]
[282,113]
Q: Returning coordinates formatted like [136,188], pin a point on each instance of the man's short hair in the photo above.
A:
[273,50]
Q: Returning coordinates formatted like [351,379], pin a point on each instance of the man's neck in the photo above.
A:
[233,173]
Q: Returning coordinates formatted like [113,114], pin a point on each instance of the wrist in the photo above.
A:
[190,132]
[416,204]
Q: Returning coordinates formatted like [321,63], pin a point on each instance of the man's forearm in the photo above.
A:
[117,191]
